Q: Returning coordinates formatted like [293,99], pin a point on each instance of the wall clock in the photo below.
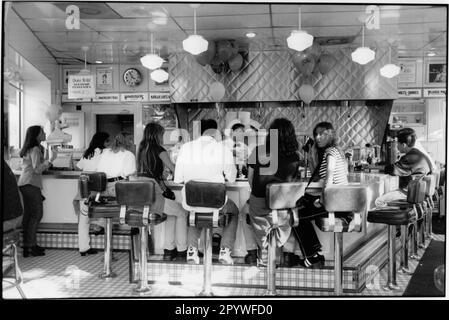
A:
[132,77]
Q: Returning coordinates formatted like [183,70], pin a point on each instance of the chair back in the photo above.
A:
[346,198]
[416,191]
[135,193]
[284,195]
[201,196]
[91,182]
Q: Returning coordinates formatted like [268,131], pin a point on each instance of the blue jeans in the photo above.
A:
[34,210]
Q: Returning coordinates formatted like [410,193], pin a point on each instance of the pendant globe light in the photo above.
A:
[159,75]
[390,70]
[152,61]
[195,44]
[299,40]
[362,55]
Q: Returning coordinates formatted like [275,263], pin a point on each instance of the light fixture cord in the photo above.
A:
[85,66]
[363,35]
[299,18]
[389,51]
[151,41]
[194,21]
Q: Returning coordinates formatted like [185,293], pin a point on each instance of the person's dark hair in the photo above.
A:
[149,147]
[407,136]
[287,142]
[327,126]
[98,141]
[237,126]
[120,142]
[31,140]
[207,124]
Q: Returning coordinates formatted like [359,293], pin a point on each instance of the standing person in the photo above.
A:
[285,152]
[151,158]
[89,162]
[331,169]
[30,185]
[206,159]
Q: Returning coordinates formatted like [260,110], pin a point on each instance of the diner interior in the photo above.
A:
[369,69]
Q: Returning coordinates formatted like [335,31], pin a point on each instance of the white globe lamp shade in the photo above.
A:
[363,55]
[299,40]
[390,70]
[195,44]
[152,61]
[159,75]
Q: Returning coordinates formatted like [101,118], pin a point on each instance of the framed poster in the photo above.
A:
[105,78]
[66,74]
[435,73]
[408,72]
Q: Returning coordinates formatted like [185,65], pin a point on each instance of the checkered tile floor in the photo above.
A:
[65,274]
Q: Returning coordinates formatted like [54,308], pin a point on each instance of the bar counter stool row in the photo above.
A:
[346,206]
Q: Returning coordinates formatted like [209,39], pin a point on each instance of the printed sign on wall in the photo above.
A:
[159,96]
[107,97]
[410,93]
[434,93]
[133,97]
[81,86]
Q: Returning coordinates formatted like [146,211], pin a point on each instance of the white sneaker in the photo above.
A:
[192,256]
[225,256]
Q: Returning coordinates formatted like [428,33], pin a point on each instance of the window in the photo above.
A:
[15,102]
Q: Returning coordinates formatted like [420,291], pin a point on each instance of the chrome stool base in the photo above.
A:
[142,291]
[206,294]
[390,287]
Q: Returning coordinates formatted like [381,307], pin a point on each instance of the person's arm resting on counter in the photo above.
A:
[166,160]
[410,164]
[331,162]
[129,165]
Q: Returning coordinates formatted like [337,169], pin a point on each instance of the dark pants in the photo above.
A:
[305,232]
[32,199]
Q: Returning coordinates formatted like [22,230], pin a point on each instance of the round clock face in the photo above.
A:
[132,77]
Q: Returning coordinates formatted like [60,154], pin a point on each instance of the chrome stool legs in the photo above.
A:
[391,284]
[207,262]
[338,263]
[142,284]
[404,252]
[271,266]
[107,269]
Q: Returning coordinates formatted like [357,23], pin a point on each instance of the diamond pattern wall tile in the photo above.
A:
[356,125]
[271,76]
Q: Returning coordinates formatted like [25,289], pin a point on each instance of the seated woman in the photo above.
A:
[331,169]
[260,175]
[89,162]
[151,158]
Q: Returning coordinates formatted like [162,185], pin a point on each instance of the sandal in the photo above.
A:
[315,262]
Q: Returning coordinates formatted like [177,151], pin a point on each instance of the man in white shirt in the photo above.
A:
[206,159]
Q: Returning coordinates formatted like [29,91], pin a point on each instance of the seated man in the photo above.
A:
[413,165]
[206,159]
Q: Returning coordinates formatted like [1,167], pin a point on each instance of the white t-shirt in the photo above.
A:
[90,164]
[117,164]
[204,159]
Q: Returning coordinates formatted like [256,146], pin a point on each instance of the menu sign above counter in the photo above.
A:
[133,97]
[435,93]
[107,97]
[65,98]
[410,93]
[159,96]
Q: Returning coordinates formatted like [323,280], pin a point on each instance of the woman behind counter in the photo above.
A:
[30,185]
[151,158]
[89,162]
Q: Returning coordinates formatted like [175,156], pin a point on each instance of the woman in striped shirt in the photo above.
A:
[331,168]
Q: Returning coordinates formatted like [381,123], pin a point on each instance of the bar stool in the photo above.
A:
[394,216]
[91,184]
[281,198]
[346,200]
[135,199]
[10,241]
[431,183]
[415,200]
[204,200]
